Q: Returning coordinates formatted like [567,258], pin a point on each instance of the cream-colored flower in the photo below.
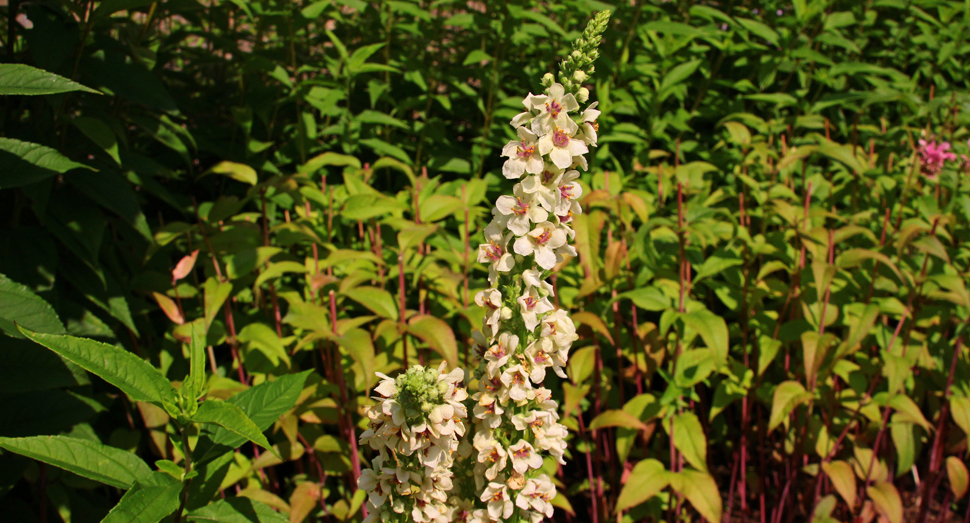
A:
[519,212]
[494,457]
[524,457]
[544,186]
[559,327]
[500,351]
[523,155]
[491,301]
[560,145]
[538,360]
[516,380]
[589,126]
[536,495]
[533,279]
[541,241]
[554,108]
[500,506]
[569,193]
[495,252]
[531,305]
[524,118]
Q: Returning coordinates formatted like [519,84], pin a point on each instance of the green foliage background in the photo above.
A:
[762,263]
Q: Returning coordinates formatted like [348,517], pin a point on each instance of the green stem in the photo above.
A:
[187,452]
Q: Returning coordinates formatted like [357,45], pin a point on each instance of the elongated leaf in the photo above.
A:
[192,386]
[109,465]
[263,404]
[437,334]
[700,490]
[148,501]
[646,480]
[712,329]
[237,171]
[788,395]
[843,479]
[23,163]
[960,410]
[18,304]
[231,418]
[26,80]
[886,499]
[616,418]
[956,471]
[133,375]
[648,298]
[690,440]
[237,510]
[593,322]
[376,300]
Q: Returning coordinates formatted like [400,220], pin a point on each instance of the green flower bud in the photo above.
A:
[582,95]
[548,79]
[580,76]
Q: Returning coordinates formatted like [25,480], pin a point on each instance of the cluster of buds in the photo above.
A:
[415,427]
[578,66]
[516,421]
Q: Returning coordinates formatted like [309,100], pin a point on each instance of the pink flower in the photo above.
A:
[933,156]
[965,166]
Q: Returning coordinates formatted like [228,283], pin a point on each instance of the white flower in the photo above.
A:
[499,504]
[517,381]
[545,186]
[569,193]
[533,278]
[519,211]
[536,495]
[561,145]
[495,252]
[524,117]
[531,305]
[491,301]
[554,441]
[539,358]
[498,354]
[493,456]
[523,155]
[536,420]
[558,326]
[370,482]
[524,457]
[589,125]
[554,108]
[489,410]
[542,241]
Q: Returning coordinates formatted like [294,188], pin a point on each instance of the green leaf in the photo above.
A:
[678,74]
[18,304]
[133,375]
[376,300]
[215,296]
[26,80]
[438,207]
[616,418]
[263,404]
[437,334]
[236,510]
[357,343]
[476,56]
[960,410]
[646,480]
[788,395]
[99,133]
[647,298]
[759,29]
[149,501]
[23,163]
[956,470]
[374,117]
[843,479]
[108,465]
[236,171]
[231,418]
[712,329]
[329,158]
[886,499]
[192,386]
[275,270]
[701,491]
[689,439]
[909,411]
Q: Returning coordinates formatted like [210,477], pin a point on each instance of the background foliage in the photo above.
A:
[773,295]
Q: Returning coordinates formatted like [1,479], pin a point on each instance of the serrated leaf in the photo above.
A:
[231,418]
[647,479]
[437,334]
[133,375]
[18,304]
[23,163]
[108,465]
[148,501]
[21,79]
[236,510]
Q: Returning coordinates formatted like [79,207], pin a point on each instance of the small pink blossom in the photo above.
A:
[933,156]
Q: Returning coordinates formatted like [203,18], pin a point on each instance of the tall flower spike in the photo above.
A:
[515,428]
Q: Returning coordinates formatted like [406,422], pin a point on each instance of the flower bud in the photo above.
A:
[580,76]
[576,55]
[582,95]
[548,79]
